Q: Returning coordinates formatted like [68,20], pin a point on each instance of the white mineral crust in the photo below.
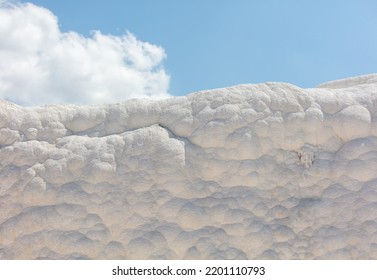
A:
[265,171]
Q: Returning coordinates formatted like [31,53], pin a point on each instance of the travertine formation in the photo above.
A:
[260,171]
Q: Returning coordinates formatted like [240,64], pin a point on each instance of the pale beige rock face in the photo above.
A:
[253,171]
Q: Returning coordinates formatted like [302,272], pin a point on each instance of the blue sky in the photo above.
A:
[217,43]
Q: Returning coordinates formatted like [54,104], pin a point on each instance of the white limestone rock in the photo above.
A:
[253,171]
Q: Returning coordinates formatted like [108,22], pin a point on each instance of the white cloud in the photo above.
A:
[40,64]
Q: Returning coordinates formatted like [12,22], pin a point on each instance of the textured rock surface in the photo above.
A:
[253,171]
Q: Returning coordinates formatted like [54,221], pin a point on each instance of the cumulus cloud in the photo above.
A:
[40,64]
